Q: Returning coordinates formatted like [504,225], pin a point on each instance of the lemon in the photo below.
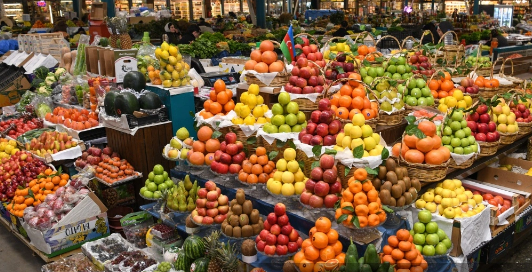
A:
[258,112]
[187,67]
[251,100]
[176,83]
[458,95]
[451,102]
[173,50]
[178,67]
[339,47]
[462,104]
[326,54]
[245,111]
[165,46]
[167,83]
[442,101]
[179,57]
[164,55]
[169,68]
[237,108]
[172,60]
[265,108]
[260,100]
[158,52]
[250,120]
[162,63]
[261,120]
[183,73]
[253,89]
[468,100]
[244,97]
[238,121]
[442,108]
[175,75]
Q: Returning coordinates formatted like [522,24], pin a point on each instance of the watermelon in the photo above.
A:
[126,103]
[109,103]
[182,262]
[135,80]
[150,101]
[194,247]
[200,265]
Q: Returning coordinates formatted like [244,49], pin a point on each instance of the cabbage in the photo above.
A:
[59,72]
[42,110]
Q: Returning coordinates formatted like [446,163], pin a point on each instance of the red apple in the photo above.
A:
[327,161]
[316,201]
[272,219]
[260,245]
[281,250]
[330,200]
[315,117]
[292,247]
[282,239]
[275,229]
[283,220]
[271,239]
[335,188]
[270,249]
[287,229]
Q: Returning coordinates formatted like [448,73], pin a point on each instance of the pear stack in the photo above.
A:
[182,197]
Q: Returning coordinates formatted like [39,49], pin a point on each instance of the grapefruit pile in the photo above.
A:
[352,99]
[360,200]
[401,252]
[220,101]
[264,59]
[203,149]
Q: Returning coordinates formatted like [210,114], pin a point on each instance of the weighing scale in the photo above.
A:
[229,78]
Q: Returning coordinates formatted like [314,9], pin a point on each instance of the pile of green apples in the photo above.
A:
[429,239]
[286,116]
[416,93]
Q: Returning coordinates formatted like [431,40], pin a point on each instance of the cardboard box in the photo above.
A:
[507,178]
[473,261]
[125,61]
[98,11]
[101,61]
[498,246]
[86,222]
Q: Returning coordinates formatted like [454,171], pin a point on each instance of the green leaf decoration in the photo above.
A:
[273,154]
[348,208]
[314,164]
[341,219]
[316,150]
[291,144]
[279,144]
[346,171]
[331,152]
[191,114]
[371,171]
[301,165]
[358,152]
[387,209]
[385,154]
[355,221]
[366,63]
[340,69]
[410,119]
[393,83]
[216,134]
[251,140]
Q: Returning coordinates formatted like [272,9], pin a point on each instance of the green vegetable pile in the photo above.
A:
[205,46]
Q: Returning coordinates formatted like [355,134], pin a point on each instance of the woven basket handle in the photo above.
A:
[493,66]
[445,34]
[406,39]
[390,36]
[345,79]
[375,54]
[322,71]
[364,35]
[501,71]
[316,42]
[423,35]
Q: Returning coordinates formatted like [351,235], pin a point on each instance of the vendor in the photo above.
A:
[443,28]
[174,36]
[501,40]
[61,27]
[434,30]
[193,32]
[342,31]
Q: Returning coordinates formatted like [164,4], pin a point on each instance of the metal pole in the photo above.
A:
[261,15]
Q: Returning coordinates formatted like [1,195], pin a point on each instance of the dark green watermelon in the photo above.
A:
[200,265]
[183,262]
[135,80]
[109,103]
[126,103]
[150,101]
[194,247]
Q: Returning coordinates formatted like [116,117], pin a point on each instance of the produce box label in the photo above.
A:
[72,234]
[125,61]
[523,223]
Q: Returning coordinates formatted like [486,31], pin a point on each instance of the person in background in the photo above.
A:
[501,40]
[443,28]
[203,23]
[193,32]
[174,36]
[434,30]
[455,14]
[61,27]
[342,31]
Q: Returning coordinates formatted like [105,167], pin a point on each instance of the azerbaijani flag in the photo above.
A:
[287,46]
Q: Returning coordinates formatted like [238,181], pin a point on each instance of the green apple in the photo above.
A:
[422,101]
[151,175]
[429,250]
[441,234]
[380,71]
[285,128]
[441,249]
[431,227]
[279,120]
[162,187]
[425,217]
[419,239]
[152,187]
[291,119]
[158,169]
[411,101]
[392,69]
[142,190]
[169,183]
[292,107]
[297,128]
[165,175]
[465,142]
[447,131]
[421,83]
[157,194]
[456,142]
[284,98]
[432,239]
[148,194]
[459,150]
[419,227]
[277,109]
[301,118]
[158,179]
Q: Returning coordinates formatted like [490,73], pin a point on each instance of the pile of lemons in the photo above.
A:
[174,70]
[8,148]
[251,108]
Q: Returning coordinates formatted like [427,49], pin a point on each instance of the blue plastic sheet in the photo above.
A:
[6,45]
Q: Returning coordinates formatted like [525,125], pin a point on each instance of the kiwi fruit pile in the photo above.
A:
[395,188]
[242,220]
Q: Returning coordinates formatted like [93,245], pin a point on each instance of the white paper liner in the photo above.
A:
[250,129]
[392,101]
[460,159]
[308,148]
[117,123]
[270,137]
[216,121]
[249,259]
[69,154]
[391,112]
[333,89]
[312,96]
[48,124]
[265,78]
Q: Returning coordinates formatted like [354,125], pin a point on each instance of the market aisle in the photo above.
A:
[15,256]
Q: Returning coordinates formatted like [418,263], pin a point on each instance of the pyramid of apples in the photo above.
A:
[323,185]
[521,112]
[481,125]
[286,116]
[322,129]
[278,237]
[305,78]
[457,135]
[229,158]
[211,205]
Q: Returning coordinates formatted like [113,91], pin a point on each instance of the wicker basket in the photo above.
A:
[302,156]
[524,128]
[272,147]
[508,138]
[482,71]
[451,53]
[310,37]
[529,149]
[280,79]
[488,148]
[306,104]
[408,108]
[388,119]
[425,172]
[341,174]
[464,165]
[389,36]
[515,80]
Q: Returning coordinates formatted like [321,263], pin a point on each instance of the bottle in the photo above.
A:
[463,42]
[494,44]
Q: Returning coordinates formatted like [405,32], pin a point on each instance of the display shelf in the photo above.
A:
[39,253]
[13,10]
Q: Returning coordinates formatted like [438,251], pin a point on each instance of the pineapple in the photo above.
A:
[223,257]
[114,36]
[121,27]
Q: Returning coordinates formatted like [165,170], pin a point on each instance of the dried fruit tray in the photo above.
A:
[135,175]
[106,249]
[76,262]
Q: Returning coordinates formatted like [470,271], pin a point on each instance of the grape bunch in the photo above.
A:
[163,267]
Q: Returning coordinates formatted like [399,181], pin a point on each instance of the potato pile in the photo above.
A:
[395,188]
[242,220]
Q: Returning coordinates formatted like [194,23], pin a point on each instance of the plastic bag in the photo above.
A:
[82,87]
[80,66]
[43,105]
[25,100]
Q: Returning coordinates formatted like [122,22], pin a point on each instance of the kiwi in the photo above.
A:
[401,201]
[399,173]
[248,248]
[387,186]
[289,266]
[247,231]
[224,223]
[384,195]
[237,232]
[240,196]
[408,197]
[382,172]
[254,216]
[237,209]
[256,229]
[229,213]
[405,172]
[391,176]
[397,191]
[247,207]
[228,230]
[403,186]
[392,202]
[390,164]
[377,183]
[408,182]
[233,220]
[413,192]
[416,184]
[232,203]
[244,219]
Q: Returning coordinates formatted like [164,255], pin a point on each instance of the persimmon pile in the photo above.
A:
[482,82]
[264,59]
[220,101]
[114,169]
[203,149]
[402,252]
[351,99]
[257,168]
[321,246]
[428,150]
[360,200]
[440,88]
[73,118]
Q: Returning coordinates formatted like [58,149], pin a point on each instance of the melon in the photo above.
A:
[150,101]
[109,103]
[135,80]
[126,103]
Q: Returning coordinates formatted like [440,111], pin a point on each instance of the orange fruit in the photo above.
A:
[388,258]
[393,241]
[266,46]
[427,127]
[250,64]
[345,101]
[355,186]
[425,145]
[306,243]
[403,264]
[256,56]
[410,141]
[373,220]
[403,235]
[397,254]
[346,90]
[360,199]
[204,133]
[342,112]
[360,174]
[363,50]
[320,240]
[337,246]
[396,147]
[323,224]
[268,57]
[367,185]
[300,256]
[312,253]
[361,210]
[435,157]
[387,250]
[306,266]
[332,236]
[414,156]
[327,253]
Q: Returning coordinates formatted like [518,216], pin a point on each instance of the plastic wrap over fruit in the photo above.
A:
[60,191]
[70,198]
[57,207]
[49,199]
[29,213]
[32,222]
[43,223]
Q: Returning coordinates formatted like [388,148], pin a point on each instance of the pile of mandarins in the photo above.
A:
[220,101]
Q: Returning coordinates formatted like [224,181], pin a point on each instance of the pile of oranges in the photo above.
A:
[364,50]
[203,149]
[351,99]
[482,82]
[257,168]
[73,118]
[321,246]
[360,200]
[112,170]
[428,150]
[154,75]
[264,59]
[440,88]
[401,252]
[37,191]
[220,101]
